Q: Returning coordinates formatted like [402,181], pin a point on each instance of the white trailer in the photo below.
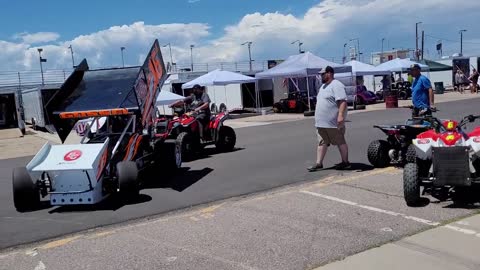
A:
[226,97]
[34,102]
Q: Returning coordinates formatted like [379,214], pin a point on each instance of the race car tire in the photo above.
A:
[226,139]
[170,155]
[377,154]
[127,173]
[25,193]
[411,155]
[186,144]
[411,184]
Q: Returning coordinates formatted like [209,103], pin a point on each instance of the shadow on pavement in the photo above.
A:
[209,152]
[178,181]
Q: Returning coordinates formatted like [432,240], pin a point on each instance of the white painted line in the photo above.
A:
[40,266]
[374,209]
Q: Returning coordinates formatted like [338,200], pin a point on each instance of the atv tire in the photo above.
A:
[226,139]
[377,154]
[309,113]
[411,155]
[411,184]
[170,155]
[186,143]
[127,173]
[25,193]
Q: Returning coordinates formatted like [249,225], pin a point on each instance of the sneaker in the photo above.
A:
[315,167]
[343,166]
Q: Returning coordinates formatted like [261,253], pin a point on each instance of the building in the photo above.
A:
[379,57]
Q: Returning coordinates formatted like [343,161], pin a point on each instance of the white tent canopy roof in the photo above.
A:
[219,77]
[362,69]
[301,65]
[399,65]
[167,98]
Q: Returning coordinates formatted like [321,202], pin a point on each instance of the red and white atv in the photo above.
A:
[447,163]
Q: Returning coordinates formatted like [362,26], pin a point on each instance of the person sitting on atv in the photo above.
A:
[422,93]
[200,104]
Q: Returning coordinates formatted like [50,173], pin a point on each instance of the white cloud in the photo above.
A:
[40,37]
[323,29]
[193,1]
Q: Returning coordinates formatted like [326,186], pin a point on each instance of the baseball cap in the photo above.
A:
[197,86]
[416,66]
[328,69]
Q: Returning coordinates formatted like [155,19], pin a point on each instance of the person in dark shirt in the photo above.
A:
[200,105]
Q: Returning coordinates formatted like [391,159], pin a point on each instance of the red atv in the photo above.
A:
[185,129]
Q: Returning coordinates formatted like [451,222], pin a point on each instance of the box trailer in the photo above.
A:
[34,105]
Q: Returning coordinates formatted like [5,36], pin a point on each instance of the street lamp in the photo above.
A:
[191,55]
[299,45]
[170,47]
[461,41]
[123,61]
[249,44]
[358,47]
[71,51]
[417,54]
[42,60]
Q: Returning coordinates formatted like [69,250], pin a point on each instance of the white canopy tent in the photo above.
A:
[362,69]
[167,98]
[399,65]
[219,77]
[302,66]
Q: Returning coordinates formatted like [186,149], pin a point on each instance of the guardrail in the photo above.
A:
[22,79]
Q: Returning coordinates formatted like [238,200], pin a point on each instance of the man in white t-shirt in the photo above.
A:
[330,115]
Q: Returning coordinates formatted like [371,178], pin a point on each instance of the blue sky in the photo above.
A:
[73,18]
[97,29]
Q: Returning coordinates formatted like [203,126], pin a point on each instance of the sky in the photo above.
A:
[97,29]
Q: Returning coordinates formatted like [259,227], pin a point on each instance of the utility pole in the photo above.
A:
[123,61]
[416,40]
[249,44]
[71,51]
[344,56]
[461,41]
[358,48]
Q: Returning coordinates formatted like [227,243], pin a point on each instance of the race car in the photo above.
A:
[108,159]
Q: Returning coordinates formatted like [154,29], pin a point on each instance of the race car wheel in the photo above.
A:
[377,154]
[411,155]
[411,184]
[226,139]
[25,193]
[185,142]
[127,173]
[170,155]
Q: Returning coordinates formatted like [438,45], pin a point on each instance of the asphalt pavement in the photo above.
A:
[267,157]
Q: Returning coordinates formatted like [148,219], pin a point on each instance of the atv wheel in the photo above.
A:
[377,154]
[170,155]
[185,142]
[402,95]
[25,192]
[411,184]
[223,108]
[277,108]
[411,155]
[214,108]
[127,173]
[300,108]
[226,139]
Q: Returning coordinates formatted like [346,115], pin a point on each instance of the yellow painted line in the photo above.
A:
[211,209]
[101,234]
[59,243]
[330,180]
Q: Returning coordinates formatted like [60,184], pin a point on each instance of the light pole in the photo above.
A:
[299,45]
[191,55]
[381,55]
[123,60]
[416,40]
[42,60]
[170,47]
[71,51]
[461,41]
[249,44]
[358,47]
[344,56]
